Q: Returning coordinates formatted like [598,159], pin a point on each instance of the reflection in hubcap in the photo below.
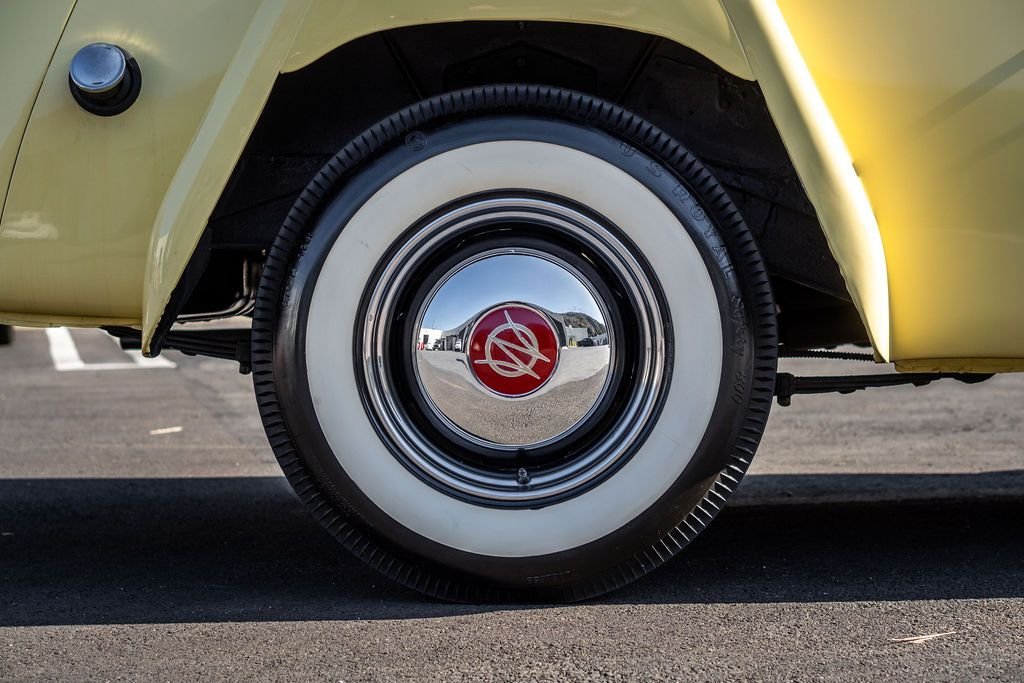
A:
[519,381]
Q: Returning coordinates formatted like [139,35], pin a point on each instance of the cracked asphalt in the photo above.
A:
[134,550]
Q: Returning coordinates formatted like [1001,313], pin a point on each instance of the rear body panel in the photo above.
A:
[929,98]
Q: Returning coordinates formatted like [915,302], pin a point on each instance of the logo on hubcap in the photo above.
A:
[513,350]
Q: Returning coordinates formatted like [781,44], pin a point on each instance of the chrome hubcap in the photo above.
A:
[513,350]
[523,348]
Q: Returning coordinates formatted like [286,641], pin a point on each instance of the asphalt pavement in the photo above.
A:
[146,533]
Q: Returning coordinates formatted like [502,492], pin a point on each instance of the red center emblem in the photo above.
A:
[513,350]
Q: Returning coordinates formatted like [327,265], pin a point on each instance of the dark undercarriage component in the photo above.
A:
[226,344]
[788,385]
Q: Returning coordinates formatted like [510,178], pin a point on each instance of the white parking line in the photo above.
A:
[65,355]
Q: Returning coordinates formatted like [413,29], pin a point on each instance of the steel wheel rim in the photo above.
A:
[435,460]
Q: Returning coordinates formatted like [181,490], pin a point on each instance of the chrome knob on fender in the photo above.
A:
[104,79]
[98,68]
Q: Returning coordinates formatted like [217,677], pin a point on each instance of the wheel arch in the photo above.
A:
[296,35]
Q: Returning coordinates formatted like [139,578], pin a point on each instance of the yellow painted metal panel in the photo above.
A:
[929,97]
[28,35]
[820,157]
[75,233]
[698,24]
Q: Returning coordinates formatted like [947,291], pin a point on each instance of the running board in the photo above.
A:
[230,344]
[787,385]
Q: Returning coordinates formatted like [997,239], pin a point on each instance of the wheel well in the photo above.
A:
[313,112]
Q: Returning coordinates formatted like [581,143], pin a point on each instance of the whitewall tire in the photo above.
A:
[448,476]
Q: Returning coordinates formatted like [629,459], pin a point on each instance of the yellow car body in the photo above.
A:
[904,121]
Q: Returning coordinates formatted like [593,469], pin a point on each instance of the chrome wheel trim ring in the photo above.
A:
[430,460]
